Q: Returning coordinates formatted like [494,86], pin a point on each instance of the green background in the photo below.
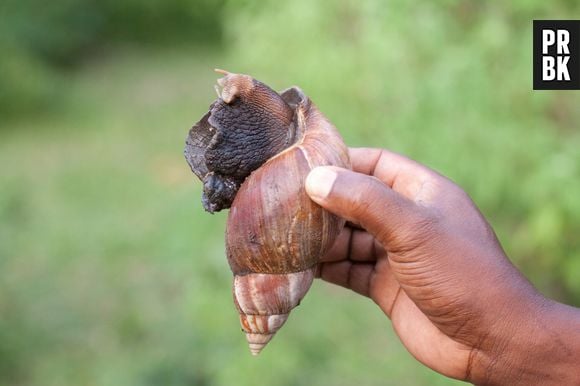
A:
[110,271]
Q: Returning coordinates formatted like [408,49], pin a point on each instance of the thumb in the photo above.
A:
[364,200]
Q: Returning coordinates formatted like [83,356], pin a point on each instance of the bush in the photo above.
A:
[41,40]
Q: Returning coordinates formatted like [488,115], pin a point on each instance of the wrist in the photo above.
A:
[536,343]
[559,345]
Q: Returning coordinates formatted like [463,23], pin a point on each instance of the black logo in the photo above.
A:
[556,54]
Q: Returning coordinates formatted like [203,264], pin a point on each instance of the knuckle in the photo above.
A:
[415,231]
[425,223]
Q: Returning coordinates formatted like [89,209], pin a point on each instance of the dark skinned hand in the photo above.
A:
[420,249]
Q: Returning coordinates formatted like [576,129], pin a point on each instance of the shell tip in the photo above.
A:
[256,349]
[257,342]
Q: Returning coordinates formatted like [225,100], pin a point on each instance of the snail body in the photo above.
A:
[275,234]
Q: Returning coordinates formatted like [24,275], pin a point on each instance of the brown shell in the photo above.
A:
[275,233]
[256,146]
[273,226]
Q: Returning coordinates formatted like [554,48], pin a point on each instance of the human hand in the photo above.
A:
[421,250]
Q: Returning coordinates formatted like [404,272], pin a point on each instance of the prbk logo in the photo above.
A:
[556,54]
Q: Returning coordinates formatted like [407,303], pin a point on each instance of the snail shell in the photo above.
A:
[253,151]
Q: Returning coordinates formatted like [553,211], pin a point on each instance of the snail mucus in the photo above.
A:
[253,151]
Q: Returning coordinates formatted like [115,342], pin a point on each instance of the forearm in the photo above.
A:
[540,347]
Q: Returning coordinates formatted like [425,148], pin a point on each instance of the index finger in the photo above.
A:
[398,172]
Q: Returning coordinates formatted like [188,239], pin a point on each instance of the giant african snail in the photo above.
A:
[253,151]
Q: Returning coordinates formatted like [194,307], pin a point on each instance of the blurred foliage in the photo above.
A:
[41,40]
[112,273]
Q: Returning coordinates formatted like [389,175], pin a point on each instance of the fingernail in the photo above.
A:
[319,182]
